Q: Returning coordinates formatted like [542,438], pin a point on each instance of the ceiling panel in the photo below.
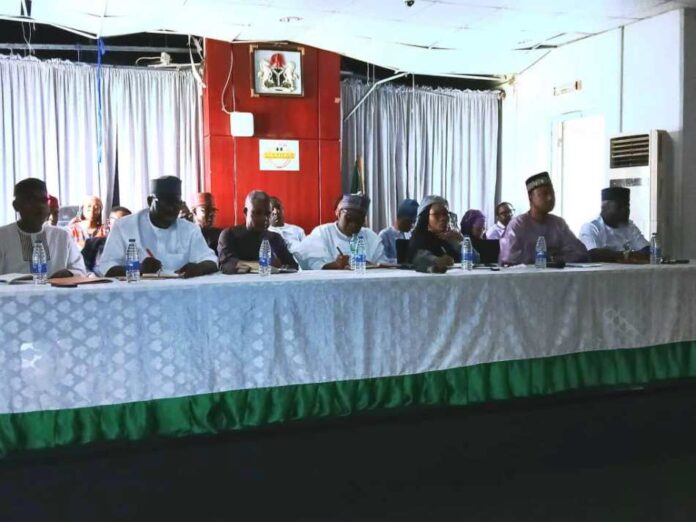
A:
[385,32]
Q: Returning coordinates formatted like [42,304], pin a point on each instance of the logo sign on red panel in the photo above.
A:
[279,155]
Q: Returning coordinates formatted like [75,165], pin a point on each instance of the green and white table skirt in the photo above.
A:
[174,358]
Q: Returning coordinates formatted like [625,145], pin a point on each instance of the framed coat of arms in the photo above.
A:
[277,71]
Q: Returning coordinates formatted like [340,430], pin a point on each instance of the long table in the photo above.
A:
[177,357]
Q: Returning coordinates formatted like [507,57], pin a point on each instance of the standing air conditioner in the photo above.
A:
[635,162]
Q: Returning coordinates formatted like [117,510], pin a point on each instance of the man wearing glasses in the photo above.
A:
[165,243]
[503,215]
[328,246]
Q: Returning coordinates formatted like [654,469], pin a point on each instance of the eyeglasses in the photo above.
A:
[441,214]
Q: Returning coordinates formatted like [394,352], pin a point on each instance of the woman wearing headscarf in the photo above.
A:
[434,247]
[474,224]
[88,224]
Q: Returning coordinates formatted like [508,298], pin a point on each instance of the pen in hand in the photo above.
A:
[152,256]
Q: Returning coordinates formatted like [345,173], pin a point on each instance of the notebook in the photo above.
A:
[12,279]
[77,280]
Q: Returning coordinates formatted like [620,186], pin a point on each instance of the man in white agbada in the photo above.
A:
[17,239]
[613,237]
[292,234]
[328,246]
[164,242]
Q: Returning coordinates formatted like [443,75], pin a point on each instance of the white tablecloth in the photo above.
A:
[116,343]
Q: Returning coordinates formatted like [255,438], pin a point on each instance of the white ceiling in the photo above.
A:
[431,37]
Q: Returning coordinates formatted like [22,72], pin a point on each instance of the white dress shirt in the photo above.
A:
[496,231]
[292,235]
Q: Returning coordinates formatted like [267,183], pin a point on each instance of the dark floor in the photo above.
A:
[623,456]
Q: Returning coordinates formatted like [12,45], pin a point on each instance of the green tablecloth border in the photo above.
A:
[235,410]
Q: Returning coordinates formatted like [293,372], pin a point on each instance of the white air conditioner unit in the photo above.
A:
[635,162]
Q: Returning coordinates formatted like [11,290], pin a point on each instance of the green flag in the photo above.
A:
[357,182]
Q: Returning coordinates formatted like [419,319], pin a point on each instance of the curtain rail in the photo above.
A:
[79,47]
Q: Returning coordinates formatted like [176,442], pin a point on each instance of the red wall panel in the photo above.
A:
[299,190]
[329,96]
[330,183]
[313,120]
[221,165]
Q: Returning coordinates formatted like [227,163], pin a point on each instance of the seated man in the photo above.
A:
[164,241]
[292,234]
[203,209]
[243,242]
[401,229]
[503,215]
[328,246]
[17,239]
[518,244]
[612,237]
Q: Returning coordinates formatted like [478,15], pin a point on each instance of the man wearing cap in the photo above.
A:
[292,234]
[518,244]
[613,237]
[328,246]
[503,216]
[164,242]
[242,243]
[401,229]
[203,209]
[17,239]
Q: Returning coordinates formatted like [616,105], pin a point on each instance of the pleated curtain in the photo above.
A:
[415,142]
[151,123]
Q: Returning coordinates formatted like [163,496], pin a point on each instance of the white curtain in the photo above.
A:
[419,142]
[157,122]
[151,122]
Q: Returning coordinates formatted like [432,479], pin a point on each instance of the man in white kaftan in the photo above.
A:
[328,246]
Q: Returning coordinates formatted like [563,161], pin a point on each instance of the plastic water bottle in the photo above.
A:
[39,266]
[540,258]
[655,250]
[467,254]
[353,250]
[132,262]
[265,258]
[360,256]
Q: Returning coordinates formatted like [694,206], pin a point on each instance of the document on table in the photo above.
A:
[12,279]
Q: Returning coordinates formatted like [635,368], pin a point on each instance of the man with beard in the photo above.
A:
[164,242]
[17,239]
[613,237]
[518,244]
